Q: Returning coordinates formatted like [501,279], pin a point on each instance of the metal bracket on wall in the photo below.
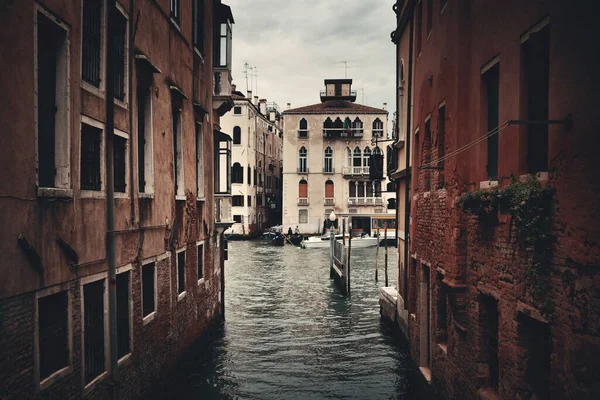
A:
[31,253]
[68,250]
[567,122]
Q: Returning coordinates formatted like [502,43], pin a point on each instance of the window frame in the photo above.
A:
[328,160]
[148,137]
[99,90]
[183,293]
[303,160]
[123,135]
[42,384]
[124,270]
[200,181]
[178,161]
[124,102]
[200,245]
[199,26]
[152,260]
[64,187]
[300,211]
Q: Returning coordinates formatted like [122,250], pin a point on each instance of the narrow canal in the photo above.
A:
[290,334]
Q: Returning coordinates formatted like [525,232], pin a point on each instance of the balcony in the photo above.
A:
[329,201]
[366,201]
[343,133]
[338,96]
[303,201]
[356,171]
[302,134]
[222,100]
[223,216]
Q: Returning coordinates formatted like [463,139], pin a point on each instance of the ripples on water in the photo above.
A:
[289,333]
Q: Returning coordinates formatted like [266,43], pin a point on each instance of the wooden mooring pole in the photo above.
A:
[349,252]
[376,258]
[386,253]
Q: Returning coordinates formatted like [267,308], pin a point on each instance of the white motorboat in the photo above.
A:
[322,242]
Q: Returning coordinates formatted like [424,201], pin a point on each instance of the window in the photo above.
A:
[536,341]
[491,82]
[429,16]
[222,45]
[303,216]
[442,313]
[412,287]
[145,140]
[303,189]
[93,330]
[366,156]
[175,10]
[328,164]
[123,314]
[91,42]
[181,272]
[148,289]
[199,161]
[329,189]
[303,129]
[536,59]
[419,27]
[249,175]
[357,162]
[198,19]
[53,333]
[237,135]
[427,154]
[259,200]
[302,160]
[377,128]
[52,100]
[443,4]
[237,173]
[237,110]
[200,262]
[120,54]
[441,145]
[249,199]
[120,163]
[357,127]
[91,139]
[237,219]
[237,201]
[177,153]
[488,317]
[425,314]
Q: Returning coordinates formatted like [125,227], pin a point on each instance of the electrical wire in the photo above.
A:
[467,146]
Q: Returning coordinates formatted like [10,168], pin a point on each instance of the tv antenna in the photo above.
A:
[246,68]
[345,68]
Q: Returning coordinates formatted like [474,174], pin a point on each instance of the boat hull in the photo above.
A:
[356,243]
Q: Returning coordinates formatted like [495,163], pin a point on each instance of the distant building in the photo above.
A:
[328,149]
[171,84]
[256,164]
[499,282]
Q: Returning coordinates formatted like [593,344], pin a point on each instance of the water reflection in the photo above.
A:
[290,333]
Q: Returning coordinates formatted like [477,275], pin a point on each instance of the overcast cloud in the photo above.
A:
[296,44]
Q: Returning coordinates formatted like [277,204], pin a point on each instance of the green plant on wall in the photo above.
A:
[531,208]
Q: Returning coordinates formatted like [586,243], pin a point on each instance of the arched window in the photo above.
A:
[377,151]
[377,128]
[327,125]
[303,189]
[237,135]
[329,189]
[302,160]
[249,177]
[366,156]
[356,160]
[336,128]
[328,164]
[348,157]
[303,129]
[357,126]
[237,173]
[348,125]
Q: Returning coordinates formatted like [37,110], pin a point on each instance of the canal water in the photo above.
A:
[290,334]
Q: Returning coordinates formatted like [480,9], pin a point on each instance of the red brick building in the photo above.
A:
[60,335]
[501,104]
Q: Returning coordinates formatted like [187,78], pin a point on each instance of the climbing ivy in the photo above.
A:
[531,208]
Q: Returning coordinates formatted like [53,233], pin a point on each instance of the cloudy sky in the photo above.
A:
[294,45]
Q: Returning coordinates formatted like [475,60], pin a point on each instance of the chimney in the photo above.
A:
[250,94]
[385,106]
[289,106]
[255,102]
[262,106]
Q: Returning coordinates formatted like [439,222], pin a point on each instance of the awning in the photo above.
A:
[144,61]
[176,90]
[222,136]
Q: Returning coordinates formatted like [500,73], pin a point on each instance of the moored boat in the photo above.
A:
[315,242]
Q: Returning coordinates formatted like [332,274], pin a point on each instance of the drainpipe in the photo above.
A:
[110,197]
[407,152]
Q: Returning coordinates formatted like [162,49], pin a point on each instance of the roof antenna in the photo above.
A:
[345,68]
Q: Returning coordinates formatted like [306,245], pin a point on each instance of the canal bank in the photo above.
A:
[290,333]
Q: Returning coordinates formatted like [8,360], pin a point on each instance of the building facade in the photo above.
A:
[118,99]
[256,164]
[328,148]
[498,288]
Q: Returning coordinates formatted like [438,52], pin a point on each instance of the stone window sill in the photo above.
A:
[181,296]
[55,192]
[93,194]
[541,176]
[426,372]
[49,381]
[90,386]
[146,195]
[443,347]
[487,184]
[487,394]
[201,281]
[149,318]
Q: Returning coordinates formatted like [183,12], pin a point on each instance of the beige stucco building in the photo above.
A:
[334,160]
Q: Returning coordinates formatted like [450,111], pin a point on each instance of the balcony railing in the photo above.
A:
[222,82]
[329,201]
[323,93]
[303,133]
[302,170]
[303,201]
[365,201]
[333,133]
[356,171]
[378,133]
[223,209]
